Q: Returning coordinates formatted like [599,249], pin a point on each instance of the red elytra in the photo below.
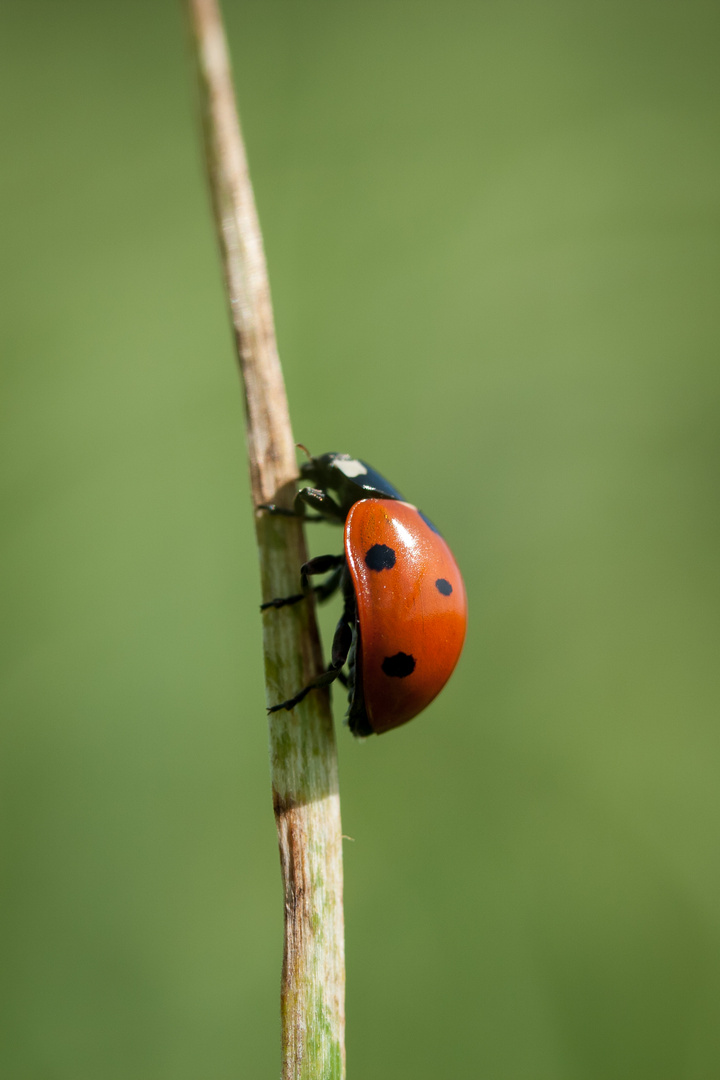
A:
[411,609]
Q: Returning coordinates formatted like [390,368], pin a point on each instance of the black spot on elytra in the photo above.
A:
[398,666]
[443,586]
[380,557]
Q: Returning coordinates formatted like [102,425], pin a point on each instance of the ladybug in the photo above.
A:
[404,606]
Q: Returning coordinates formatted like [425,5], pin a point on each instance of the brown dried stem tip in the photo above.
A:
[302,742]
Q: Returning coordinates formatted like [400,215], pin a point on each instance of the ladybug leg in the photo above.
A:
[282,511]
[319,500]
[340,649]
[319,565]
[329,586]
[312,498]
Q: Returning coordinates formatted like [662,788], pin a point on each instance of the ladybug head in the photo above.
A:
[349,478]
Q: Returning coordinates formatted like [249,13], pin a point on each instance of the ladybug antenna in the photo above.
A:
[304,450]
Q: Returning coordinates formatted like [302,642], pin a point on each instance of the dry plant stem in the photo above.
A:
[302,743]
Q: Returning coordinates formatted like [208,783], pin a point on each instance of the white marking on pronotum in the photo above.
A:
[350,466]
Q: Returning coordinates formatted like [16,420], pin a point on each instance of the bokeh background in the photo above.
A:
[493,238]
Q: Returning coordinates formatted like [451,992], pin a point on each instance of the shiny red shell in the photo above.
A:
[411,606]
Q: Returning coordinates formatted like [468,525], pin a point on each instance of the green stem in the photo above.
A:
[303,755]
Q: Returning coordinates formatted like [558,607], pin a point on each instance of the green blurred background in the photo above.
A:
[493,238]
